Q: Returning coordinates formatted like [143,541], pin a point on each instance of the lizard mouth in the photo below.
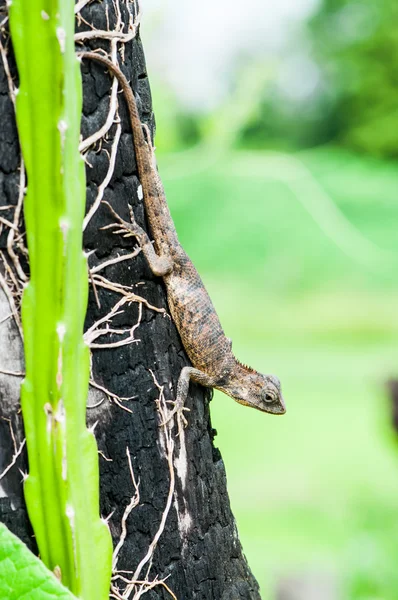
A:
[280,409]
[276,408]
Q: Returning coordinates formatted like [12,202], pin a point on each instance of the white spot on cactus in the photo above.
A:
[48,409]
[59,369]
[60,414]
[45,16]
[61,330]
[64,225]
[61,35]
[70,513]
[140,193]
[62,127]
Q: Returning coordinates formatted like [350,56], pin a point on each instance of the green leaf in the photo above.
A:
[23,576]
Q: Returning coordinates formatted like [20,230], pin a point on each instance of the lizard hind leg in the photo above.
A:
[159,265]
[186,374]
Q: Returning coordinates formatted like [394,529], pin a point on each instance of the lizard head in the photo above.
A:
[256,390]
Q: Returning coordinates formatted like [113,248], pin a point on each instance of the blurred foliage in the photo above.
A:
[218,130]
[356,44]
[179,127]
[291,233]
[354,103]
[323,479]
[306,241]
[344,88]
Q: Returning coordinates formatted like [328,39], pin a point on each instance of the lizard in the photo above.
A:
[209,350]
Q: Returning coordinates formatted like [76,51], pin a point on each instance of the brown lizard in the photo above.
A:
[209,350]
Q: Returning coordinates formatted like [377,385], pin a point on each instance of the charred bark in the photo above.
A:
[177,482]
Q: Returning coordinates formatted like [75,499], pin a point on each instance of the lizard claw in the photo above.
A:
[122,230]
[177,410]
[128,229]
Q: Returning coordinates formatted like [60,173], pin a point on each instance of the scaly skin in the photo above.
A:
[192,310]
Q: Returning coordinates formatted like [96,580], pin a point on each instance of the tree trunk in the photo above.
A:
[164,493]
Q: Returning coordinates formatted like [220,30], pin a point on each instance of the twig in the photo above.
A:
[80,5]
[132,504]
[7,223]
[162,408]
[93,333]
[96,404]
[17,214]
[105,182]
[145,586]
[14,226]
[11,86]
[114,261]
[14,459]
[12,373]
[125,290]
[14,441]
[114,397]
[92,139]
[111,395]
[7,291]
[120,405]
[105,35]
[105,457]
[4,319]
[90,274]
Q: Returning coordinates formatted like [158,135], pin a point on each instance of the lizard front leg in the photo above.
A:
[186,375]
[159,265]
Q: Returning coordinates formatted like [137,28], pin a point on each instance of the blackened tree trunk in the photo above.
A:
[164,491]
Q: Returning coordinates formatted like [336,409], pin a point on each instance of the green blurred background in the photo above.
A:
[277,137]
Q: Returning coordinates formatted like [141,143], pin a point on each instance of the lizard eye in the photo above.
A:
[269,397]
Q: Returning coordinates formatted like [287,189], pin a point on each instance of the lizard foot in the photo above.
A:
[160,264]
[178,410]
[129,229]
